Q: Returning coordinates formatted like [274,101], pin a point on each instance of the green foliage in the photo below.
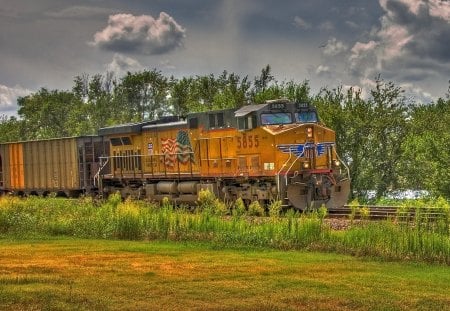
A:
[255,209]
[129,221]
[275,208]
[426,149]
[48,114]
[221,208]
[322,212]
[239,207]
[206,199]
[114,199]
[11,129]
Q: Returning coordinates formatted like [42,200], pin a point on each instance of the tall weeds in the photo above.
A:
[423,239]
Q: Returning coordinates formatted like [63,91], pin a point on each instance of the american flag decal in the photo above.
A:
[168,148]
[184,148]
[177,149]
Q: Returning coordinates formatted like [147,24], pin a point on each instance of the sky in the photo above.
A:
[46,43]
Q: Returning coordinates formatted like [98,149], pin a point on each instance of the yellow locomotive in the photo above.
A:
[275,150]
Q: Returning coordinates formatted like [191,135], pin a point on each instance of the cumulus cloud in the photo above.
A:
[8,98]
[322,69]
[121,64]
[140,34]
[334,47]
[410,45]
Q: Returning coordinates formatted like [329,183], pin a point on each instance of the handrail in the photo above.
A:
[143,157]
[345,165]
[300,155]
[97,175]
[278,173]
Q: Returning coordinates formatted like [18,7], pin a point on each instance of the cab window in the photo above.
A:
[247,122]
[306,117]
[276,118]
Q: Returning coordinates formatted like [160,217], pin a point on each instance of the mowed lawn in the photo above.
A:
[66,274]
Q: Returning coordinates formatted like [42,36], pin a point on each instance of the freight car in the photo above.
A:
[276,150]
[65,166]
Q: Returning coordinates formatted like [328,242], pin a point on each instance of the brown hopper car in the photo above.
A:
[65,166]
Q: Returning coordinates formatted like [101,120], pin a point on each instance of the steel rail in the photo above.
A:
[377,212]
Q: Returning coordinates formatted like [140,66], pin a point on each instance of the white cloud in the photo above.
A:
[357,90]
[359,49]
[418,93]
[140,34]
[301,23]
[394,38]
[410,45]
[322,69]
[334,47]
[435,8]
[363,61]
[8,98]
[121,64]
[326,26]
[440,8]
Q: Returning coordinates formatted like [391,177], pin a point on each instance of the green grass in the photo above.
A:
[422,240]
[77,274]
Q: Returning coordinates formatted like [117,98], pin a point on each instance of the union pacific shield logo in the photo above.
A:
[299,149]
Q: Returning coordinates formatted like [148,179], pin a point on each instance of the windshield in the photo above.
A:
[276,118]
[306,117]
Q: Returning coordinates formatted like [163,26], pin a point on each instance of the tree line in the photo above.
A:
[388,141]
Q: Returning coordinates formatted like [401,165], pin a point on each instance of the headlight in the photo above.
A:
[337,163]
[305,165]
[309,132]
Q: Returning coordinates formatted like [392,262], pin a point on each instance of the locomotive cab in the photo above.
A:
[301,151]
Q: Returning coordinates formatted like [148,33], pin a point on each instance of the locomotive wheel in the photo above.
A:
[299,196]
[339,199]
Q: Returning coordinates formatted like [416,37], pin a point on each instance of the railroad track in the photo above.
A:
[377,212]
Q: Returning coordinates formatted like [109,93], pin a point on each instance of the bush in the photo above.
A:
[206,199]
[275,208]
[255,209]
[220,208]
[129,222]
[239,207]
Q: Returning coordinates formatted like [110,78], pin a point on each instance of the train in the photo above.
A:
[277,150]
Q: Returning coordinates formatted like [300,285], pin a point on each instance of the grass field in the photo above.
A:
[78,274]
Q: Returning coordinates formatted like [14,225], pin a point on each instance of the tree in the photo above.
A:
[426,149]
[48,114]
[350,117]
[388,131]
[262,82]
[143,95]
[232,91]
[180,95]
[11,129]
[369,133]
